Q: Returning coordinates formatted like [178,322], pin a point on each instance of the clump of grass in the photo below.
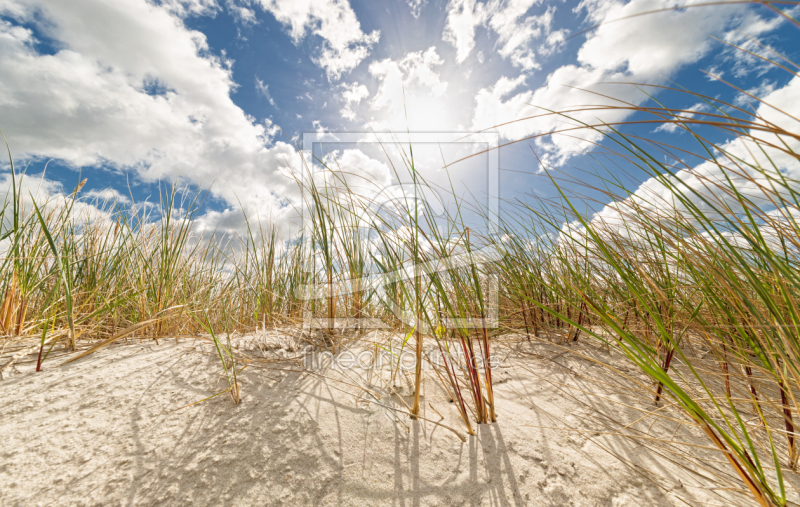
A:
[706,260]
[226,356]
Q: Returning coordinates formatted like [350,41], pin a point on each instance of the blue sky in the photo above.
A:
[133,93]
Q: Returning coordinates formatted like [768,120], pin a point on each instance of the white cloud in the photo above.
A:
[271,130]
[318,127]
[414,69]
[654,44]
[185,8]
[463,17]
[508,19]
[243,14]
[553,42]
[51,195]
[746,36]
[644,49]
[106,195]
[411,92]
[741,156]
[516,31]
[132,88]
[264,90]
[762,90]
[416,6]
[36,185]
[344,44]
[780,107]
[361,173]
[352,94]
[682,115]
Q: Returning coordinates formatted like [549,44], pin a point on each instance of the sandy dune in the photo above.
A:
[104,430]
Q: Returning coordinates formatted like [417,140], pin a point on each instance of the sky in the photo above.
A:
[217,95]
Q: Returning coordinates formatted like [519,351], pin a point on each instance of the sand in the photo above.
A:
[108,429]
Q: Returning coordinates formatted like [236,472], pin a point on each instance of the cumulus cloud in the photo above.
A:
[344,44]
[463,17]
[644,49]
[131,87]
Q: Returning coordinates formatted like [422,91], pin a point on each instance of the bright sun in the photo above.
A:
[424,112]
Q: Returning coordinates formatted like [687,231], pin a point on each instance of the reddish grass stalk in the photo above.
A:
[665,367]
[754,487]
[457,391]
[580,320]
[39,360]
[749,372]
[477,394]
[488,368]
[525,318]
[417,373]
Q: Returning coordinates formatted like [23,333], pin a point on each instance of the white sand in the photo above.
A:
[104,431]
